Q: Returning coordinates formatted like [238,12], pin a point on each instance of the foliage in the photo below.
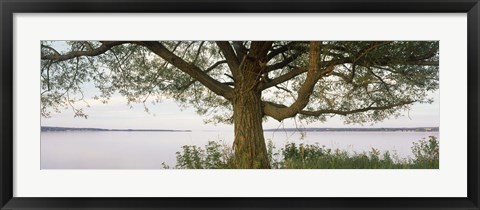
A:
[369,80]
[216,155]
[426,152]
[305,156]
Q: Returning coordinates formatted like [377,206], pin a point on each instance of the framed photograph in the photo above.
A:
[239,105]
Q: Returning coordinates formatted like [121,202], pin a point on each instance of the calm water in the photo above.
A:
[147,150]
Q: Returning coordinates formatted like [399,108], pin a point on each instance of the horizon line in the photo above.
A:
[221,129]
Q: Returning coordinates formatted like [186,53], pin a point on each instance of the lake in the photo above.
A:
[147,150]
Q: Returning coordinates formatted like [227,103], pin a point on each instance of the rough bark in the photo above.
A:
[249,143]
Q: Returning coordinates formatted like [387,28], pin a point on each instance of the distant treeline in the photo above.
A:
[416,129]
[47,128]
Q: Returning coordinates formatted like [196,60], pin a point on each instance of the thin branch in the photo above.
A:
[382,81]
[52,49]
[97,51]
[229,83]
[285,48]
[343,76]
[185,51]
[198,51]
[283,78]
[209,69]
[364,52]
[353,111]
[422,63]
[229,76]
[285,62]
[215,65]
[282,88]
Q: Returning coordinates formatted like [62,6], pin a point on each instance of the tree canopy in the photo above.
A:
[369,81]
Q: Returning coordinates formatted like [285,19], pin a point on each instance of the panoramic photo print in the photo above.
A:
[239,105]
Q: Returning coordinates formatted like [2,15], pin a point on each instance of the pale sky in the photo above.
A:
[168,115]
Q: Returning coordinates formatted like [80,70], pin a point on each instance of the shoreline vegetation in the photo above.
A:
[400,129]
[218,155]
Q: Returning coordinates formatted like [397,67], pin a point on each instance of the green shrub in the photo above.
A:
[216,155]
[273,155]
[426,152]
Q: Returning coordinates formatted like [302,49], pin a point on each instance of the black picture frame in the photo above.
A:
[9,7]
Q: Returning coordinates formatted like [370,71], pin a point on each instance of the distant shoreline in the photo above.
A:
[56,129]
[412,129]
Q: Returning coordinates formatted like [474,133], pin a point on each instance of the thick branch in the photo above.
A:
[192,70]
[240,49]
[313,75]
[259,50]
[74,54]
[227,51]
[274,110]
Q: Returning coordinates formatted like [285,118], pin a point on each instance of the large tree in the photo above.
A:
[245,82]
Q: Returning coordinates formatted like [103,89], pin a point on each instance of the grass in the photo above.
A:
[217,155]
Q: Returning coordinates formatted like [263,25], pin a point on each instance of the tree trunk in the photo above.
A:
[249,144]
